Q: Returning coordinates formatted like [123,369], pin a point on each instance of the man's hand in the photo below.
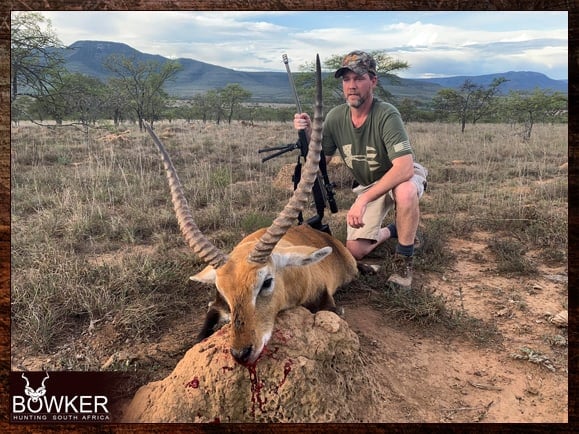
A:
[302,121]
[355,216]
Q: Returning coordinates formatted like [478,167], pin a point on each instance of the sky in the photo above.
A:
[434,44]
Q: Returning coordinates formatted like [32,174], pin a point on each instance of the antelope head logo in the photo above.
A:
[270,270]
[33,394]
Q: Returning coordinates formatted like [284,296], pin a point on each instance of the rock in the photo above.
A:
[122,357]
[310,371]
[561,319]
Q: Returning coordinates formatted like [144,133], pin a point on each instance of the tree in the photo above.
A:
[143,81]
[529,108]
[470,101]
[215,104]
[118,101]
[35,65]
[232,95]
[201,106]
[84,97]
[78,97]
[408,109]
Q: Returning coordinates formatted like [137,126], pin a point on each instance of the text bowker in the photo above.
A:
[77,404]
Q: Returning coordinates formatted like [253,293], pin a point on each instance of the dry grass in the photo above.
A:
[94,235]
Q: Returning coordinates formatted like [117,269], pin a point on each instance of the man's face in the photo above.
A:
[357,88]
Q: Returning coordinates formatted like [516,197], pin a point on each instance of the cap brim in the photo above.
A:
[341,72]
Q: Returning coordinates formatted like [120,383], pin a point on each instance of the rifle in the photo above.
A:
[323,189]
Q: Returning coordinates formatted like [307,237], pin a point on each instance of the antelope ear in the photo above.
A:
[297,256]
[207,275]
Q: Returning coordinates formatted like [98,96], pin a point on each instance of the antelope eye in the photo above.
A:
[266,286]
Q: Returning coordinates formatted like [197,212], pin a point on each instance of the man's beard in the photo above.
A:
[357,102]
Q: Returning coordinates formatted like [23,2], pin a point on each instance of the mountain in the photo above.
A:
[516,80]
[197,77]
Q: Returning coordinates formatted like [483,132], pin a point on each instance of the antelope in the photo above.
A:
[270,270]
[35,394]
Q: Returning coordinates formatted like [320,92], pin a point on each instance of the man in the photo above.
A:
[373,143]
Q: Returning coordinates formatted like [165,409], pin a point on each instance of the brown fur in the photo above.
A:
[312,285]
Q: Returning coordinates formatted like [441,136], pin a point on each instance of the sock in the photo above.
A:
[393,232]
[405,250]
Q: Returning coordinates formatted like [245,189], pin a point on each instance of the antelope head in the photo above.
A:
[251,280]
[33,394]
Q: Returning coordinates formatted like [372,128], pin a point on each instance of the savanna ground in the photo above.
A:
[100,271]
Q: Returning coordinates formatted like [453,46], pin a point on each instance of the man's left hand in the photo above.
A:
[355,216]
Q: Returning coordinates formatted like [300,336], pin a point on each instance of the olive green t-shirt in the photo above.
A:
[369,150]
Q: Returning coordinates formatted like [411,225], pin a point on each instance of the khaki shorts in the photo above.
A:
[377,210]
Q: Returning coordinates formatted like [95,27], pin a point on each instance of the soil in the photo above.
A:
[442,377]
[435,374]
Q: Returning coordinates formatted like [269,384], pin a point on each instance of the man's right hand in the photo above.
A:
[302,121]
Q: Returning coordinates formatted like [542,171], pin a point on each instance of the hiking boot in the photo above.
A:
[402,275]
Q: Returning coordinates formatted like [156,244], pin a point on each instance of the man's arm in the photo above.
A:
[402,170]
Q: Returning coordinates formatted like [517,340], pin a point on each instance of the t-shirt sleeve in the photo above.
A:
[394,135]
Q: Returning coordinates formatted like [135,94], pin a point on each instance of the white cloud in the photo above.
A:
[447,43]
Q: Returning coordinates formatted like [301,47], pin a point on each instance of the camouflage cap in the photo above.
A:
[359,62]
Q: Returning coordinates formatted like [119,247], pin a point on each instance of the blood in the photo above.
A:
[282,336]
[256,388]
[268,353]
[194,383]
[258,394]
[287,368]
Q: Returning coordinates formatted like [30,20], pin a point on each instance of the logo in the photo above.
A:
[64,402]
[370,158]
[35,395]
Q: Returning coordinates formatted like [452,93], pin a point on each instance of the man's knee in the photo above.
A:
[406,194]
[359,248]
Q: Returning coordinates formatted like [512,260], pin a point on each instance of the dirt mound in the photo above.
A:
[311,371]
[339,173]
[284,180]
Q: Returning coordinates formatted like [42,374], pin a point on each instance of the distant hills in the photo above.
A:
[197,77]
[517,80]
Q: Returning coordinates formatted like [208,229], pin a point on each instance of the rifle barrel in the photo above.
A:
[289,147]
[291,80]
[278,153]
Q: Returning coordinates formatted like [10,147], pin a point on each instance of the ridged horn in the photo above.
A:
[200,244]
[301,194]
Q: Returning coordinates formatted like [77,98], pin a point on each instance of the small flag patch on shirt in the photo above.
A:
[402,146]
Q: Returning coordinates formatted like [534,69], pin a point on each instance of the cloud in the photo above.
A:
[433,43]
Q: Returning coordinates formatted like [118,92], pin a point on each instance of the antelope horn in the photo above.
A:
[45,378]
[299,199]
[27,382]
[194,237]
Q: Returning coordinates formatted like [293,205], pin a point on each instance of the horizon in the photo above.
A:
[436,44]
[238,70]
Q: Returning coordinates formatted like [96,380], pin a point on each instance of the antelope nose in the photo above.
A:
[241,355]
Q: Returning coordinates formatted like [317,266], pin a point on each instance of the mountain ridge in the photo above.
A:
[197,77]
